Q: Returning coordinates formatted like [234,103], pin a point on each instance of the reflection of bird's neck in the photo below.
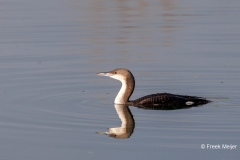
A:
[127,125]
[124,115]
[127,88]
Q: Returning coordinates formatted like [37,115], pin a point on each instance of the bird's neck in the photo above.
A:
[125,91]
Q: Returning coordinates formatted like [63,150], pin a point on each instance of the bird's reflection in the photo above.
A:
[128,123]
[127,127]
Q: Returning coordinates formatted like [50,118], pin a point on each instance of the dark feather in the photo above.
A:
[167,101]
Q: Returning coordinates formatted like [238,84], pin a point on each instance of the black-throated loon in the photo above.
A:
[159,99]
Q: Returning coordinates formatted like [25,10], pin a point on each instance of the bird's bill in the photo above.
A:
[104,74]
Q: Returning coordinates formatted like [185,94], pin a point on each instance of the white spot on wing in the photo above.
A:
[189,103]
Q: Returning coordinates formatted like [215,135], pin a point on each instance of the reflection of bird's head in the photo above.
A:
[127,126]
[112,135]
[118,132]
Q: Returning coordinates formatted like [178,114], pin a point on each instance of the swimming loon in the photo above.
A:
[163,100]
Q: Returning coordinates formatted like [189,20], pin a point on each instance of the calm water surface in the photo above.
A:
[52,104]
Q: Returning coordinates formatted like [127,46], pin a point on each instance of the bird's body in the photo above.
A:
[159,100]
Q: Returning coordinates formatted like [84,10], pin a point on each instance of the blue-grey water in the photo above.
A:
[52,104]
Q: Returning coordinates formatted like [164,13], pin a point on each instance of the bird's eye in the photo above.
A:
[115,72]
